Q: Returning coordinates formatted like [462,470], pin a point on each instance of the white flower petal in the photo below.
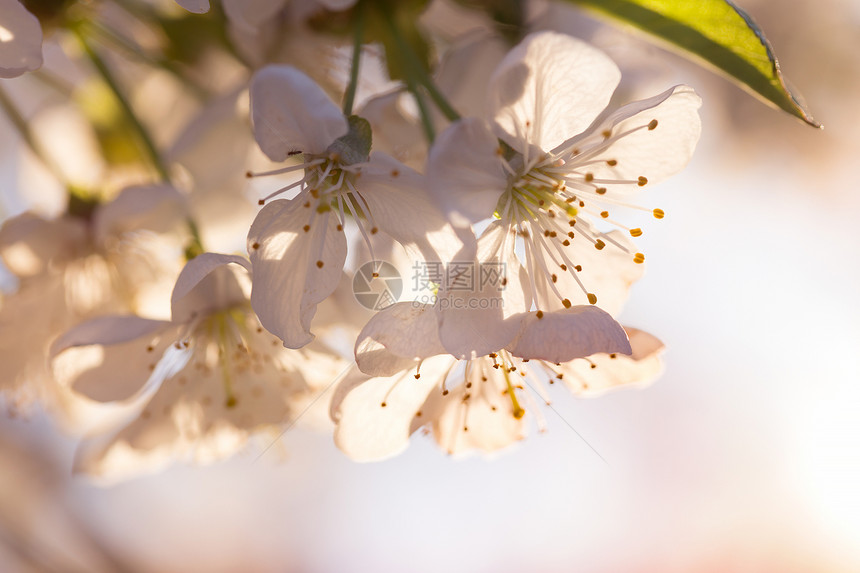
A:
[466,69]
[251,14]
[568,334]
[155,208]
[292,113]
[607,273]
[293,269]
[112,358]
[548,88]
[602,372]
[395,132]
[476,417]
[30,244]
[367,430]
[465,171]
[399,204]
[195,6]
[397,338]
[20,40]
[656,153]
[479,311]
[185,303]
[337,5]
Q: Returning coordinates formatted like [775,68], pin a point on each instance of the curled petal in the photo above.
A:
[192,296]
[549,87]
[292,113]
[294,269]
[396,338]
[568,334]
[603,372]
[20,40]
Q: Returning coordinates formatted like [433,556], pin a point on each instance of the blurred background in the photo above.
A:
[743,457]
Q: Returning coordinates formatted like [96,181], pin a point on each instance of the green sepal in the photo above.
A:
[354,147]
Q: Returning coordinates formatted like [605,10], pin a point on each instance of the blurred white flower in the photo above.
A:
[477,404]
[123,257]
[194,387]
[551,163]
[298,246]
[20,40]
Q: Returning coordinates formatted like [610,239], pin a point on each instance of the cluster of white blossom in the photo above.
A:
[498,167]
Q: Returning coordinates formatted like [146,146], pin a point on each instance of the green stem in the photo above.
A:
[412,78]
[419,74]
[349,96]
[426,120]
[140,130]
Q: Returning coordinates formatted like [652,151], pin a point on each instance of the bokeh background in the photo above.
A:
[743,457]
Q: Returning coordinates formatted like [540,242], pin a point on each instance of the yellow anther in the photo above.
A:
[637,232]
[639,258]
[592,298]
[589,177]
[652,124]
[642,181]
[566,303]
[599,245]
[604,214]
[320,264]
[539,314]
[612,162]
[659,213]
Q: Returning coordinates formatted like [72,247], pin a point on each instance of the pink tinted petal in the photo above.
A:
[603,372]
[568,334]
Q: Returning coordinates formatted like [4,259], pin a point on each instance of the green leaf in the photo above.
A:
[717,32]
